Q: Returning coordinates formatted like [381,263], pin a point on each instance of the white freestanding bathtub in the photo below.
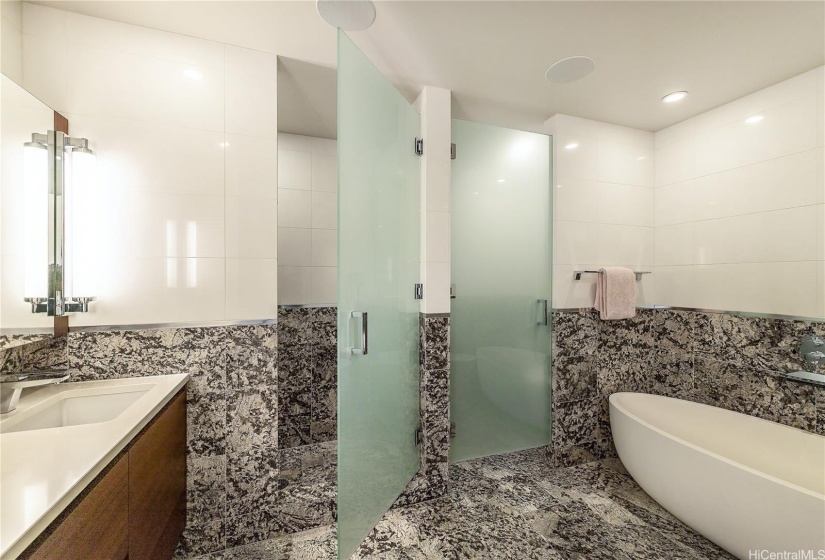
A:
[745,483]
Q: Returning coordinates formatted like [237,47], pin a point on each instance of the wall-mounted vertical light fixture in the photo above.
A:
[61,203]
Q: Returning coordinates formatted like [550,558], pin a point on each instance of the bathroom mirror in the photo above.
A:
[307,184]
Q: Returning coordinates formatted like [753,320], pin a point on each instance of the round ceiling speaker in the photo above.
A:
[570,69]
[349,15]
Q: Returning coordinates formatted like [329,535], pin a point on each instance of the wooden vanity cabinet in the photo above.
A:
[136,508]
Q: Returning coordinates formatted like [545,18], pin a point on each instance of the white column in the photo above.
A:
[434,107]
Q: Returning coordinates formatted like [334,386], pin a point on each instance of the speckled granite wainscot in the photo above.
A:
[432,479]
[308,382]
[718,359]
[232,412]
[32,352]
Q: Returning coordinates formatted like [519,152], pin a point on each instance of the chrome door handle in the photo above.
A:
[364,333]
[543,308]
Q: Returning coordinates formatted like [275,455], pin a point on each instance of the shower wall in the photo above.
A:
[307,220]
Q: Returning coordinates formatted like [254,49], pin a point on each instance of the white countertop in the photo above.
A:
[42,471]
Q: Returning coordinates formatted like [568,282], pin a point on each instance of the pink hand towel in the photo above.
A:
[615,293]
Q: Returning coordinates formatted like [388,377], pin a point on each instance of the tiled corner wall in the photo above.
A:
[432,480]
[307,220]
[739,196]
[308,376]
[717,359]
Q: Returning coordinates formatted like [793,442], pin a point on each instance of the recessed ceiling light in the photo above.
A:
[571,146]
[753,119]
[570,69]
[349,15]
[674,97]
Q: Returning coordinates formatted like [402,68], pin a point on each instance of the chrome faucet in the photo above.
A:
[12,384]
[812,352]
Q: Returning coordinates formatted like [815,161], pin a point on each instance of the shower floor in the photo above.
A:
[514,507]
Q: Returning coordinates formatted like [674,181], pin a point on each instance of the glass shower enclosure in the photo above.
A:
[378,259]
[501,269]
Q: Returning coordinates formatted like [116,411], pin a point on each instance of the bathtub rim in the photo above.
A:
[712,454]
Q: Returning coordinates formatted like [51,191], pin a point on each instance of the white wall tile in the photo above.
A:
[45,70]
[758,287]
[295,246]
[294,170]
[570,125]
[437,233]
[324,173]
[820,116]
[756,188]
[251,104]
[625,245]
[765,237]
[157,290]
[251,289]
[251,227]
[294,142]
[576,156]
[675,204]
[575,199]
[437,287]
[570,293]
[624,204]
[786,129]
[679,132]
[676,286]
[324,146]
[324,285]
[294,285]
[249,61]
[109,83]
[675,162]
[251,167]
[675,245]
[762,100]
[112,35]
[625,164]
[324,247]
[574,242]
[624,135]
[159,224]
[324,210]
[147,156]
[294,208]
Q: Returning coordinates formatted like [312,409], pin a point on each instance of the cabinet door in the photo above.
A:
[97,527]
[157,485]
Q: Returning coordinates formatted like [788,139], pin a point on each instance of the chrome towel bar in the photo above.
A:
[577,274]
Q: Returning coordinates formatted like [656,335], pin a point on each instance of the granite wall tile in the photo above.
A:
[307,367]
[575,334]
[672,374]
[575,422]
[573,378]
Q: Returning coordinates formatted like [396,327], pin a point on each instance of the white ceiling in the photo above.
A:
[493,54]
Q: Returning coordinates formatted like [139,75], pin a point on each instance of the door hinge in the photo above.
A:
[452,151]
[419,146]
[418,435]
[419,291]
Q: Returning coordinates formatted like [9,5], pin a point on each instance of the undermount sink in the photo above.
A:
[73,408]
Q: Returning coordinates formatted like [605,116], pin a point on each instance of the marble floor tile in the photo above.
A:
[513,507]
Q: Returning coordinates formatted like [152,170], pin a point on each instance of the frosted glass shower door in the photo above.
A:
[501,266]
[378,254]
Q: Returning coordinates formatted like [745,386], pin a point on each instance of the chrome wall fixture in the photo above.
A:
[60,216]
